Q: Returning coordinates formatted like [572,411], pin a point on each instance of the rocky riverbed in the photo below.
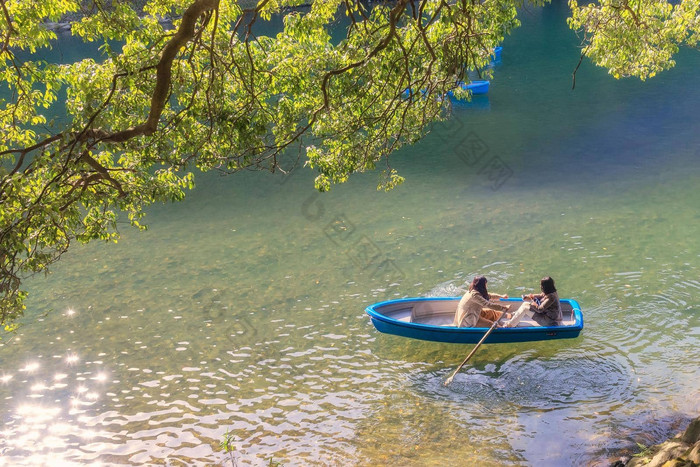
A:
[683,450]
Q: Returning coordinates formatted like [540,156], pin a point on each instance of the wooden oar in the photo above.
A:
[493,326]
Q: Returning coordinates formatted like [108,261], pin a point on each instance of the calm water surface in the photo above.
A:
[242,308]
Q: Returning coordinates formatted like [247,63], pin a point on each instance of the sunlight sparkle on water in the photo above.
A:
[72,358]
[61,429]
[5,378]
[38,387]
[30,367]
[36,414]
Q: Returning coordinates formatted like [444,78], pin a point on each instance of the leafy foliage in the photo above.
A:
[204,92]
[636,37]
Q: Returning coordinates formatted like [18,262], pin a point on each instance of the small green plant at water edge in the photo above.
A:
[643,450]
[228,447]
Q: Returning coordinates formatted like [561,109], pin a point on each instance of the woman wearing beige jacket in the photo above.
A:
[476,308]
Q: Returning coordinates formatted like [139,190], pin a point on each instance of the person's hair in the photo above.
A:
[479,284]
[547,285]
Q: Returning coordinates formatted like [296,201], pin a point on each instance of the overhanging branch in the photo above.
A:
[184,34]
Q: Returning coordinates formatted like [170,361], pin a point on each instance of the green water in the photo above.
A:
[242,308]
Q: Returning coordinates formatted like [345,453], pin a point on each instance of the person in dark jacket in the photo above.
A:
[546,306]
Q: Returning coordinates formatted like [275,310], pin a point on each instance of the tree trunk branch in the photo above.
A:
[184,34]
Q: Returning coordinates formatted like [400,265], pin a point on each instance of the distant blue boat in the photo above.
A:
[430,319]
[476,87]
[497,54]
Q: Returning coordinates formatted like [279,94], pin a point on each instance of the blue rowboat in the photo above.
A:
[476,87]
[480,86]
[497,54]
[430,319]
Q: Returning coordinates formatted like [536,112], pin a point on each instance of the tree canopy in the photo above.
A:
[204,91]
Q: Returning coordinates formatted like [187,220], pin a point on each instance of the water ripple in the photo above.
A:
[539,384]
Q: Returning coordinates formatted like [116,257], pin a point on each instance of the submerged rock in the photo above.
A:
[683,450]
[692,433]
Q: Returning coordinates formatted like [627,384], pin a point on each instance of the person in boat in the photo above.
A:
[478,307]
[546,305]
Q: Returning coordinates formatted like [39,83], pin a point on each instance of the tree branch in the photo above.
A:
[394,16]
[184,34]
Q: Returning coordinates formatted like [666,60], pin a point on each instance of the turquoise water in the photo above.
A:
[242,308]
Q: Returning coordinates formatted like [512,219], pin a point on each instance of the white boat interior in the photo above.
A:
[442,312]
